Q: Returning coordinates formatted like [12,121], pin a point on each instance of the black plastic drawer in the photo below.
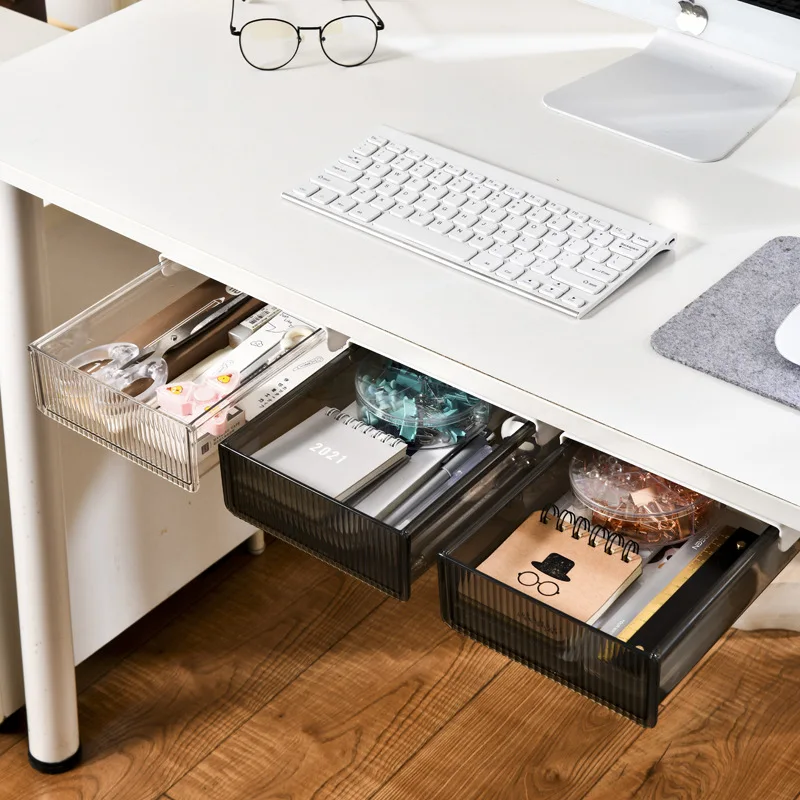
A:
[612,672]
[383,556]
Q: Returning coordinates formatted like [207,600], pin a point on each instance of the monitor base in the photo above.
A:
[680,94]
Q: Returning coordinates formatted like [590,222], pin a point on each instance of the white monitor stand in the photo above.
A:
[710,77]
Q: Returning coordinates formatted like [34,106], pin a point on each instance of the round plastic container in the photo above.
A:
[418,409]
[634,502]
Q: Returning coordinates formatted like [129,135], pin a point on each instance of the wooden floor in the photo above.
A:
[278,677]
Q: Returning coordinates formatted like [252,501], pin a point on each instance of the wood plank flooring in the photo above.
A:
[278,678]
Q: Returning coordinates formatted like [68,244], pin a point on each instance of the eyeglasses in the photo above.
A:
[270,44]
[545,588]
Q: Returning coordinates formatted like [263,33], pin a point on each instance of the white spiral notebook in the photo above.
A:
[334,453]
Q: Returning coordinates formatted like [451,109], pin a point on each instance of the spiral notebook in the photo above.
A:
[565,562]
[333,452]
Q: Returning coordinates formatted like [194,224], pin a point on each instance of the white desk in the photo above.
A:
[175,142]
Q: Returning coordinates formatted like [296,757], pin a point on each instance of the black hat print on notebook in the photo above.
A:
[555,566]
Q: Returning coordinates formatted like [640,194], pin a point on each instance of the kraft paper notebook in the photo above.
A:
[564,566]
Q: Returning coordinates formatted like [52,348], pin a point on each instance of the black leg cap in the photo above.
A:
[50,768]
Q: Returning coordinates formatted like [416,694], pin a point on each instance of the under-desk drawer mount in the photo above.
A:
[153,372]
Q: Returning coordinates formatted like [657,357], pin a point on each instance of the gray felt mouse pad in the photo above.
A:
[729,331]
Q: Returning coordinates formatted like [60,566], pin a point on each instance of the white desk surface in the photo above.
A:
[150,123]
[19,34]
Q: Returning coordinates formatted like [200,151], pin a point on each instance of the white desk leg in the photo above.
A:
[40,552]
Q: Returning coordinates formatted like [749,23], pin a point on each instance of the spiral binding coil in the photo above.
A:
[627,546]
[363,427]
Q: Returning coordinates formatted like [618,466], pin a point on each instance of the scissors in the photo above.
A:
[139,373]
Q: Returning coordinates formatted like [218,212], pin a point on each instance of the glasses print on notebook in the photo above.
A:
[555,566]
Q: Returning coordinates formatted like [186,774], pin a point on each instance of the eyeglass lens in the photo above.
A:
[545,588]
[349,41]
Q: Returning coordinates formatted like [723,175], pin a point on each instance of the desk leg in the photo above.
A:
[40,552]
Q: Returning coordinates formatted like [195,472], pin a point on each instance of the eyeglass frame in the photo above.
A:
[538,584]
[377,22]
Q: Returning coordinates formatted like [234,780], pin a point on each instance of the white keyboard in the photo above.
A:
[540,242]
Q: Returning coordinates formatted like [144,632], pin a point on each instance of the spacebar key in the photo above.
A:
[415,234]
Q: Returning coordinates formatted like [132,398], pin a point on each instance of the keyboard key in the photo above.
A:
[453,169]
[421,218]
[396,147]
[620,263]
[529,282]
[509,272]
[573,300]
[324,196]
[441,226]
[535,229]
[568,260]
[640,241]
[506,236]
[454,198]
[523,259]
[435,192]
[475,177]
[517,194]
[364,196]
[621,233]
[539,216]
[427,204]
[421,171]
[364,213]
[498,200]
[388,189]
[486,263]
[403,211]
[495,186]
[443,245]
[440,177]
[403,163]
[461,233]
[515,223]
[345,173]
[445,212]
[474,207]
[383,203]
[465,219]
[460,185]
[485,228]
[627,249]
[519,207]
[378,140]
[543,267]
[406,196]
[496,215]
[580,231]
[369,182]
[356,162]
[548,252]
[601,239]
[557,208]
[416,185]
[365,149]
[526,243]
[577,216]
[481,242]
[599,224]
[342,205]
[553,290]
[535,200]
[600,271]
[575,279]
[555,238]
[559,223]
[397,177]
[598,254]
[501,250]
[306,190]
[384,156]
[479,192]
[577,246]
[337,184]
[436,163]
[415,155]
[379,170]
